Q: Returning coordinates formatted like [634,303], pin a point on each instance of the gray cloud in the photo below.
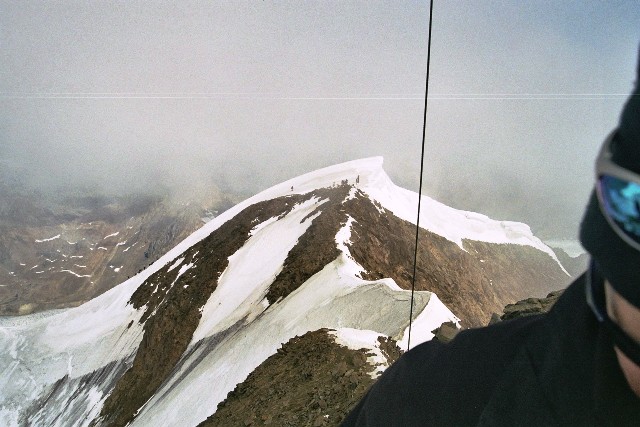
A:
[130,97]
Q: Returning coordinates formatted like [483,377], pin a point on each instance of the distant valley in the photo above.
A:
[60,250]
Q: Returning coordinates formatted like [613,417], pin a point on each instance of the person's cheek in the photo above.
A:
[630,370]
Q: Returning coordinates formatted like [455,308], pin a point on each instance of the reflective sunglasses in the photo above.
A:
[618,192]
[597,302]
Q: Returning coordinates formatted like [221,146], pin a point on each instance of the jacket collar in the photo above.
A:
[566,374]
[579,369]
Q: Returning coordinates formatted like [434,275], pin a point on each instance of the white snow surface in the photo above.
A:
[243,285]
[176,263]
[431,317]
[44,347]
[41,349]
[75,274]
[48,240]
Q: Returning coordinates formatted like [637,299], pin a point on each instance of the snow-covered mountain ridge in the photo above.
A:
[453,224]
[330,249]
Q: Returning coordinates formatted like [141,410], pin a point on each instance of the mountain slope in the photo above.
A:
[332,249]
[311,380]
[61,251]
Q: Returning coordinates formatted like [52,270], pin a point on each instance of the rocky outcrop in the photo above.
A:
[446,332]
[530,306]
[310,381]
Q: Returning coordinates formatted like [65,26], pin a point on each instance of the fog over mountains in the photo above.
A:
[135,96]
[297,297]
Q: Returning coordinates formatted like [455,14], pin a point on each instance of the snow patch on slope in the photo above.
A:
[343,237]
[48,240]
[244,283]
[358,339]
[74,273]
[73,342]
[433,315]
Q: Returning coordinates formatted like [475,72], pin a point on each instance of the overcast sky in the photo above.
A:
[132,96]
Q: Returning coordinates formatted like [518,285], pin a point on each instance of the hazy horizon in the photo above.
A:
[124,97]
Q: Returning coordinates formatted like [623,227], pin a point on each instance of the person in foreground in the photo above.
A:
[578,365]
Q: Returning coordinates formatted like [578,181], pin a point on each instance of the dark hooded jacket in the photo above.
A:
[557,369]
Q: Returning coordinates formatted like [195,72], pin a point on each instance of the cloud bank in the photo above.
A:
[181,95]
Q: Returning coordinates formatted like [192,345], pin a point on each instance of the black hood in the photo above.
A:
[617,261]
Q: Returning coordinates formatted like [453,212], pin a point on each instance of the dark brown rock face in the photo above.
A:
[473,283]
[530,306]
[310,381]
